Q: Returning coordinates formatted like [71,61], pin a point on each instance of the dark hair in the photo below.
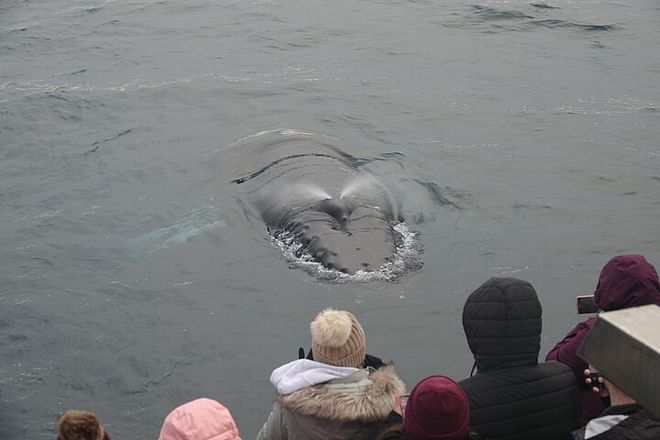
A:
[79,425]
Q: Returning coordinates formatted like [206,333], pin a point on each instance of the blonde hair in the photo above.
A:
[79,425]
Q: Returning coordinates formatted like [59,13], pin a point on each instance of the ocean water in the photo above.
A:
[522,135]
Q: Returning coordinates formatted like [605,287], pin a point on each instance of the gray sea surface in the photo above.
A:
[525,135]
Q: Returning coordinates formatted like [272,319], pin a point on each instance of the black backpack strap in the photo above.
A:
[372,361]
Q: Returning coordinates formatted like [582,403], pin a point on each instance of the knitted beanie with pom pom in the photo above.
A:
[338,339]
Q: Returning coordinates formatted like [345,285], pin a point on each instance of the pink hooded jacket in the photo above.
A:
[201,419]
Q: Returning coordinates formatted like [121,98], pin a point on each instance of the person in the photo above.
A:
[625,281]
[199,419]
[625,419]
[331,396]
[80,425]
[437,409]
[512,396]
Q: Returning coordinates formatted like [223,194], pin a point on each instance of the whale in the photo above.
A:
[314,194]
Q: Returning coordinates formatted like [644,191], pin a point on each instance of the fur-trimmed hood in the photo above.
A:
[366,396]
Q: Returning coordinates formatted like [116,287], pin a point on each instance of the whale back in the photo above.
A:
[310,191]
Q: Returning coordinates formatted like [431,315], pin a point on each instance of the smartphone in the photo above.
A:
[595,379]
[586,304]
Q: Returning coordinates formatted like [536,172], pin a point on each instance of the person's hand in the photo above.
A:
[596,381]
[397,405]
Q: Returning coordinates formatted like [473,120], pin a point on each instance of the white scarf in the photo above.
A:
[303,373]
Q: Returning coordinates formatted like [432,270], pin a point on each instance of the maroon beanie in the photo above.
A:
[627,281]
[437,409]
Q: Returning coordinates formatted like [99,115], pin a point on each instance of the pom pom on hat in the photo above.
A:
[331,328]
[338,339]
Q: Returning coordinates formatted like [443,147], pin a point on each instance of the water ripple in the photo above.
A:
[555,24]
[536,16]
[490,14]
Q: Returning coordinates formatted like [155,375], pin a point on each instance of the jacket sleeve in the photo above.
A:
[272,429]
[566,350]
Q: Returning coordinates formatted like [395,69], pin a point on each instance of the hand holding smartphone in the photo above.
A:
[593,378]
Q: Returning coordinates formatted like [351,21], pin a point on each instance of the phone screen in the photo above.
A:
[586,304]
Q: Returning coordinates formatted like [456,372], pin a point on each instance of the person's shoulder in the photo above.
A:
[555,368]
[393,431]
[545,376]
[638,425]
[480,382]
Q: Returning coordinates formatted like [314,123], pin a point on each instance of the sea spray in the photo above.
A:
[406,258]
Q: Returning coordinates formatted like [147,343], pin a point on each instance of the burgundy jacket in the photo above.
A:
[565,352]
[625,281]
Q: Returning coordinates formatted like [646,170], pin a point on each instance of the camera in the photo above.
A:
[586,304]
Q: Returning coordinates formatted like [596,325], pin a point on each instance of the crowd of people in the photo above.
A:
[338,391]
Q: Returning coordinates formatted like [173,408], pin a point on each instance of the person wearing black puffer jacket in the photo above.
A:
[512,396]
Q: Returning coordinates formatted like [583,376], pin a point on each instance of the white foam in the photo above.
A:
[405,259]
[280,131]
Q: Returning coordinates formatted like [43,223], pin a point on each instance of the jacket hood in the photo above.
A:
[627,281]
[302,373]
[502,323]
[199,419]
[363,397]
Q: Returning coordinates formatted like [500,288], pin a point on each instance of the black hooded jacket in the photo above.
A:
[512,396]
[638,425]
